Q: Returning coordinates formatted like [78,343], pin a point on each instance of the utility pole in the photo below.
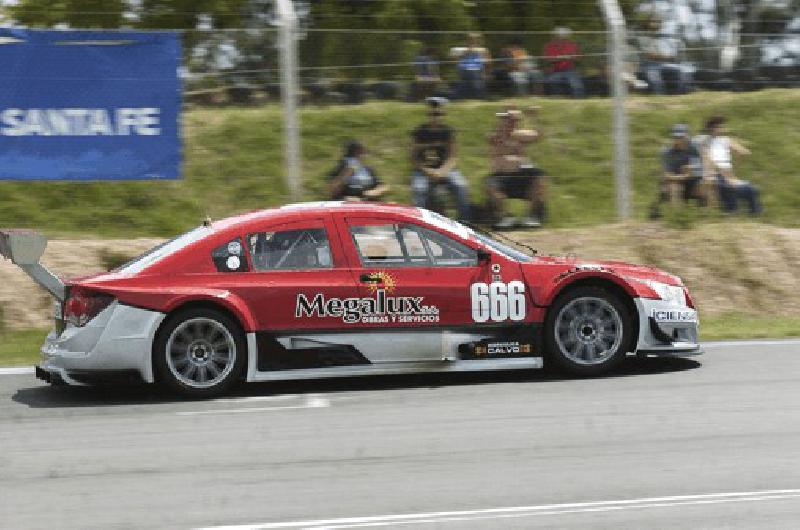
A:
[287,51]
[617,44]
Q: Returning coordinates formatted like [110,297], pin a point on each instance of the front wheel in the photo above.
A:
[200,353]
[588,331]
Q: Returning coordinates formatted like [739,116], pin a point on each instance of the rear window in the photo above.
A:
[163,250]
[229,257]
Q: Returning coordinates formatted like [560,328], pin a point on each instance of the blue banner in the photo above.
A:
[89,105]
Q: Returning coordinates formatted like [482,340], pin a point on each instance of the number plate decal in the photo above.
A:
[498,301]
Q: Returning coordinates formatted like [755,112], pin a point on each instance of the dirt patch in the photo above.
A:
[729,268]
[749,269]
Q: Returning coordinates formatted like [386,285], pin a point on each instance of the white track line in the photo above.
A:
[250,399]
[750,342]
[16,370]
[311,402]
[526,511]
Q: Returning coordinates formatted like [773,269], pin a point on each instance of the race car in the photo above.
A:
[329,289]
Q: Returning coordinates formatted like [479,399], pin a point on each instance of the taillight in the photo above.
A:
[689,301]
[80,308]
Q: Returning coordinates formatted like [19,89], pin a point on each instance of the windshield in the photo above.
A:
[164,249]
[506,250]
[466,232]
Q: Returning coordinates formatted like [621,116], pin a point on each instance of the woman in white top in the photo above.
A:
[718,150]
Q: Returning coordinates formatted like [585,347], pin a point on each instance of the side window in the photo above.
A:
[230,257]
[379,245]
[414,244]
[408,245]
[290,250]
[447,252]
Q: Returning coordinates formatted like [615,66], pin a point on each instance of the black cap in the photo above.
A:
[436,103]
[352,148]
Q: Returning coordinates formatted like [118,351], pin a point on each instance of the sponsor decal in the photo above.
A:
[233,262]
[496,268]
[234,247]
[582,268]
[502,348]
[493,349]
[672,315]
[81,122]
[378,308]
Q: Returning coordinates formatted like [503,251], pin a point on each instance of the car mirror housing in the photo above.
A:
[484,256]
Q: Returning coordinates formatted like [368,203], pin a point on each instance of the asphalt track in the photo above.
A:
[712,442]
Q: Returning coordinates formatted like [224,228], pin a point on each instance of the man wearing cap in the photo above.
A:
[433,157]
[560,54]
[513,174]
[682,166]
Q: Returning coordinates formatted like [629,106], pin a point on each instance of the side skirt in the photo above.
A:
[391,368]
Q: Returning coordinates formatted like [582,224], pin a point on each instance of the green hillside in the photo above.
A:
[233,161]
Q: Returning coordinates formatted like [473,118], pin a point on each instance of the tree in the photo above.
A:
[73,13]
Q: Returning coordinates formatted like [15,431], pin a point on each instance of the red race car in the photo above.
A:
[341,289]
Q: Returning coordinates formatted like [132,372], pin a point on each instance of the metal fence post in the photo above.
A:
[287,51]
[617,44]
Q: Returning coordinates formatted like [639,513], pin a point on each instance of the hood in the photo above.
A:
[564,265]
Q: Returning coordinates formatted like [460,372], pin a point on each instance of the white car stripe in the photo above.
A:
[16,370]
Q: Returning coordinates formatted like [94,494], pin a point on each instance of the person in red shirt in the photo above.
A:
[560,54]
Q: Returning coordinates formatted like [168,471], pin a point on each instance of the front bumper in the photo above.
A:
[667,329]
[117,341]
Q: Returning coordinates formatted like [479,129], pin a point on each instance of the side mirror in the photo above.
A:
[484,256]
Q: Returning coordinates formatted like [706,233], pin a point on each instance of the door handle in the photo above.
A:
[369,278]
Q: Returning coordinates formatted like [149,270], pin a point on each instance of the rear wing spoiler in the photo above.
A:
[24,248]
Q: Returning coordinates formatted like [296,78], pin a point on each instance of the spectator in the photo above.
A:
[427,78]
[560,54]
[660,56]
[513,174]
[501,73]
[683,169]
[352,180]
[473,68]
[717,149]
[520,68]
[433,156]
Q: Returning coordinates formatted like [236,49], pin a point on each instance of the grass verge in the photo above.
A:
[233,161]
[733,326]
[21,347]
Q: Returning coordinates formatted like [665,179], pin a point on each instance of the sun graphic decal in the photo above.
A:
[385,282]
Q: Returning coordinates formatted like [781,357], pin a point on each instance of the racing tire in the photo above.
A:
[588,331]
[199,353]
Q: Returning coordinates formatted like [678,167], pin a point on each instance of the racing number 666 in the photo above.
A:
[498,301]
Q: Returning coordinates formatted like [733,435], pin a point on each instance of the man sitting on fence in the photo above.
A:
[433,156]
[683,171]
[513,174]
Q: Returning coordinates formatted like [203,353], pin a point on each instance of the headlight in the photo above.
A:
[668,293]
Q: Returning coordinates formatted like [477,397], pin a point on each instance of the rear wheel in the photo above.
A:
[200,353]
[588,331]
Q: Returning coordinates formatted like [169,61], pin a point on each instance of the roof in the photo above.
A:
[304,209]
